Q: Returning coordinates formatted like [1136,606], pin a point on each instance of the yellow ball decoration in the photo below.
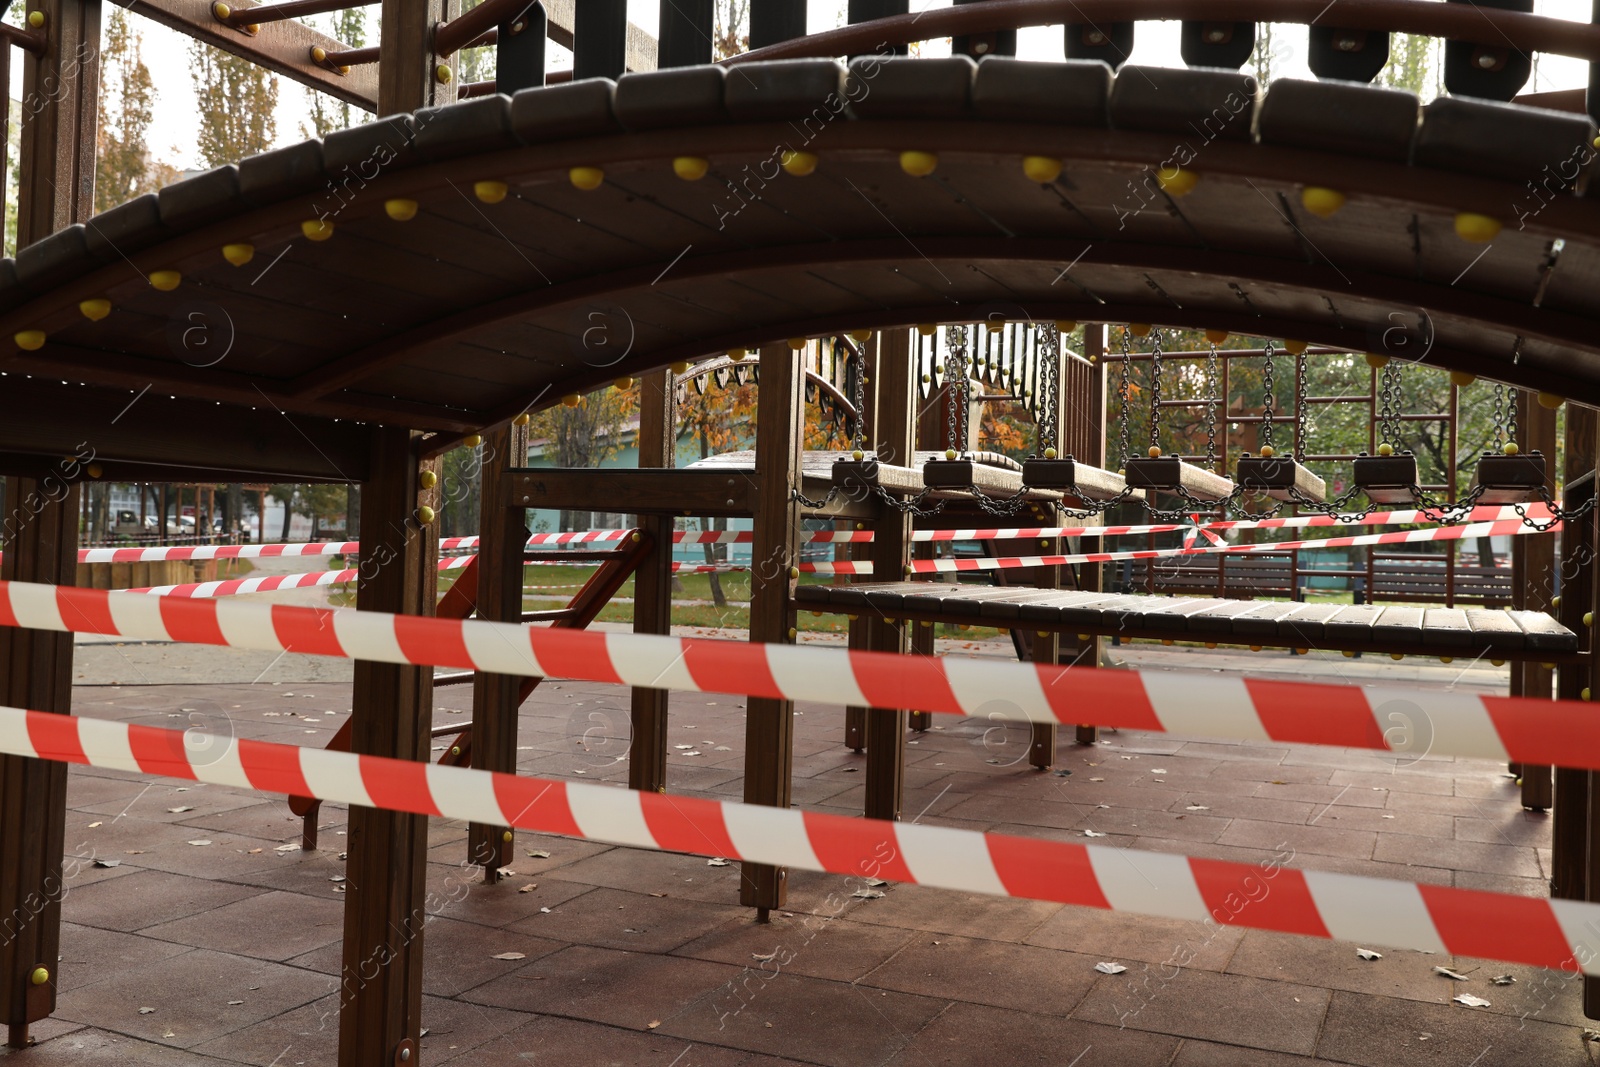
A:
[318,53]
[1321,202]
[400,209]
[317,229]
[1176,181]
[858,455]
[737,354]
[165,280]
[428,479]
[1447,659]
[472,440]
[680,367]
[797,343]
[949,453]
[1376,361]
[1255,648]
[1498,662]
[39,976]
[443,74]
[1065,325]
[1139,329]
[1155,451]
[1216,337]
[919,164]
[1050,453]
[1588,618]
[1041,169]
[1583,694]
[1294,348]
[239,253]
[798,164]
[29,340]
[1461,379]
[425,514]
[690,168]
[1348,654]
[36,19]
[1476,228]
[624,382]
[927,329]
[586,178]
[1267,451]
[860,336]
[1555,602]
[1511,448]
[1386,449]
[1551,400]
[571,400]
[96,309]
[1396,656]
[490,192]
[523,419]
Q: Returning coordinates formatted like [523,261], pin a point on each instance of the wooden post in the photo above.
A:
[503,534]
[891,439]
[39,529]
[652,583]
[411,74]
[685,31]
[380,994]
[1091,576]
[1533,588]
[855,716]
[599,39]
[769,723]
[1571,850]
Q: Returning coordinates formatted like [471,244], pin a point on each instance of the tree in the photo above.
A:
[326,113]
[1413,64]
[731,34]
[123,168]
[236,101]
[288,496]
[585,434]
[475,64]
[719,419]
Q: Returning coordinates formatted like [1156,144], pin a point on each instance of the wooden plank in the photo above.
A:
[1447,628]
[1352,625]
[1494,632]
[688,491]
[380,1015]
[769,729]
[496,697]
[652,584]
[1544,634]
[282,47]
[1216,619]
[1398,625]
[1307,628]
[406,79]
[1169,613]
[1573,857]
[1263,622]
[1006,611]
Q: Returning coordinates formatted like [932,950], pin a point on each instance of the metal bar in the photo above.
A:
[1513,29]
[773,21]
[462,30]
[599,39]
[685,28]
[241,17]
[32,40]
[350,57]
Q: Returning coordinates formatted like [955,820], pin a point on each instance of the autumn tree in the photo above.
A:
[236,101]
[1414,64]
[123,168]
[325,112]
[721,417]
[586,434]
[731,33]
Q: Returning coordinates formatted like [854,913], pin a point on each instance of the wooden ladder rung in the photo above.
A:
[452,728]
[550,615]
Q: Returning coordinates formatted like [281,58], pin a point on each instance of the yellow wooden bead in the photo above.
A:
[1498,662]
[858,455]
[737,354]
[1377,361]
[1255,648]
[1302,652]
[1349,654]
[1042,169]
[1548,666]
[472,440]
[1216,337]
[1583,694]
[860,336]
[1461,379]
[797,343]
[507,835]
[425,514]
[798,164]
[428,479]
[690,168]
[443,74]
[36,19]
[400,209]
[523,419]
[949,453]
[1396,656]
[919,164]
[927,329]
[239,253]
[1447,659]
[1083,637]
[1386,449]
[1166,642]
[1176,181]
[165,280]
[317,229]
[572,400]
[1267,451]
[1155,451]
[490,192]
[794,572]
[455,750]
[1551,400]
[1065,325]
[623,383]
[1211,644]
[1588,618]
[681,367]
[96,309]
[1050,453]
[1511,448]
[318,54]
[29,340]
[39,976]
[1294,348]
[1321,202]
[586,178]
[1476,228]
[1139,329]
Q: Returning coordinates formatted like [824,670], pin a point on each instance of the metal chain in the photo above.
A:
[861,396]
[955,362]
[1211,408]
[1049,423]
[1302,416]
[1155,392]
[1511,414]
[1388,405]
[1124,393]
[1496,416]
[1267,400]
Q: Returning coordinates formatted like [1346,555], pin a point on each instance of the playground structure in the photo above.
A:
[424,281]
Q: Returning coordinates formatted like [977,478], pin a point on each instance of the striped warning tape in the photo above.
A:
[339,548]
[1264,896]
[1541,732]
[267,583]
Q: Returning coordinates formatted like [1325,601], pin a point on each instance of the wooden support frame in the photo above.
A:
[409,74]
[652,584]
[892,441]
[1572,855]
[496,698]
[705,491]
[380,993]
[769,723]
[1534,578]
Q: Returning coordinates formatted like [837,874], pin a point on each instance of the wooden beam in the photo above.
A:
[652,583]
[152,429]
[600,39]
[408,72]
[660,492]
[496,698]
[380,994]
[891,440]
[686,27]
[769,723]
[281,47]
[1088,403]
[641,47]
[1534,587]
[1573,822]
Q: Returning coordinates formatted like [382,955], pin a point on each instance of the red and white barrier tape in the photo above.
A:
[1541,732]
[267,583]
[164,552]
[1265,896]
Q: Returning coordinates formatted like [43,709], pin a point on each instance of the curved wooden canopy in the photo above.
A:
[477,308]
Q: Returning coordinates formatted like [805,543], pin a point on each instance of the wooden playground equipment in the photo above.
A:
[429,278]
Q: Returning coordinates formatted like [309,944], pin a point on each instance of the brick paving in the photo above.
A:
[635,957]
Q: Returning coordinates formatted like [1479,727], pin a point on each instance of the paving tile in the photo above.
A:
[90,955]
[145,898]
[1504,826]
[1381,820]
[1401,973]
[548,1040]
[84,1047]
[818,946]
[1316,840]
[1191,1002]
[918,908]
[191,995]
[1440,805]
[459,892]
[672,873]
[1118,937]
[1503,883]
[1210,1054]
[1262,809]
[997,973]
[1380,1032]
[1458,855]
[633,922]
[836,1023]
[973,1035]
[298,924]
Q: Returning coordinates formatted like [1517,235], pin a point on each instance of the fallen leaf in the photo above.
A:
[768,958]
[234,1003]
[202,841]
[716,862]
[1197,807]
[876,881]
[653,1024]
[692,752]
[1158,770]
[337,878]
[1470,1001]
[146,1011]
[1110,968]
[169,1033]
[544,911]
[287,848]
[1502,979]
[93,825]
[867,894]
[108,863]
[510,956]
[539,854]
[530,887]
[179,810]
[1448,973]
[1097,779]
[658,894]
[1093,833]
[254,851]
[681,748]
[1368,954]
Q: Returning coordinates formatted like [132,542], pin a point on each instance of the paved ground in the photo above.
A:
[633,957]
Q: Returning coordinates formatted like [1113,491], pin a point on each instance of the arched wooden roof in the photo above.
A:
[472,311]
